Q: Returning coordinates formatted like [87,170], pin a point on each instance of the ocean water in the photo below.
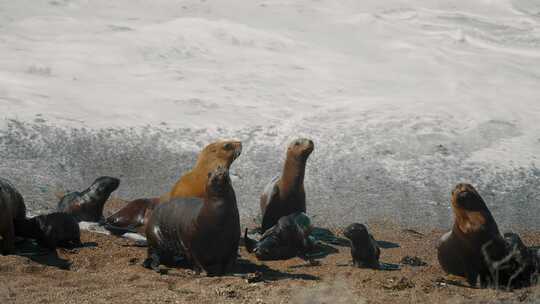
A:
[403,100]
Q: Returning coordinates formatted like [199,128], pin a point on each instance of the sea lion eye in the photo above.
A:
[227,146]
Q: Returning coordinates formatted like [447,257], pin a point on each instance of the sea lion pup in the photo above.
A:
[53,230]
[191,184]
[285,194]
[287,239]
[474,242]
[88,205]
[364,249]
[12,211]
[205,232]
[522,262]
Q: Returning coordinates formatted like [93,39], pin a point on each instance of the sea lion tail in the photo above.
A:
[248,242]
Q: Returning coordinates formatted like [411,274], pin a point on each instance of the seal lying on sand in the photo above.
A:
[364,249]
[88,205]
[12,211]
[132,216]
[474,242]
[205,232]
[288,238]
[285,194]
[53,230]
[192,184]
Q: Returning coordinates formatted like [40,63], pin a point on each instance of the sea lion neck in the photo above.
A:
[473,221]
[293,173]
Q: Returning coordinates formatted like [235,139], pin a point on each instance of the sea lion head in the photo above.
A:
[357,233]
[218,180]
[300,148]
[224,152]
[303,222]
[105,185]
[470,210]
[465,196]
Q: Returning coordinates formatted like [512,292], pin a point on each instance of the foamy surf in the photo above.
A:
[402,99]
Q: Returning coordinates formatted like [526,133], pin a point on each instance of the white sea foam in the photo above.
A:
[403,98]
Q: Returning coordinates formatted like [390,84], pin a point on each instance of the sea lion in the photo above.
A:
[53,230]
[203,231]
[12,211]
[522,263]
[88,205]
[288,238]
[285,194]
[132,216]
[474,242]
[191,184]
[364,249]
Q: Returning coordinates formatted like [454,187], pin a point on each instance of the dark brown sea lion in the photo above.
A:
[474,242]
[285,194]
[88,205]
[133,216]
[12,211]
[364,249]
[53,230]
[191,184]
[522,263]
[287,239]
[203,231]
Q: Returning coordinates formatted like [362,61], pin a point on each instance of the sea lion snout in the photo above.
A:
[463,188]
[233,148]
[237,146]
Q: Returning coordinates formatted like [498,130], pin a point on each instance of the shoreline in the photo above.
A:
[109,269]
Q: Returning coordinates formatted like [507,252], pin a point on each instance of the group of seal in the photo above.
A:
[136,214]
[197,223]
[57,229]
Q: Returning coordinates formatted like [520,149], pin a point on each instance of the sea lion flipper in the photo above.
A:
[248,242]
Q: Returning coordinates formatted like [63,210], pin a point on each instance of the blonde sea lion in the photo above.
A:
[135,214]
[285,194]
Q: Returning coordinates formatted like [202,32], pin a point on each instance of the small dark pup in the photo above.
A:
[364,249]
[53,230]
[287,239]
